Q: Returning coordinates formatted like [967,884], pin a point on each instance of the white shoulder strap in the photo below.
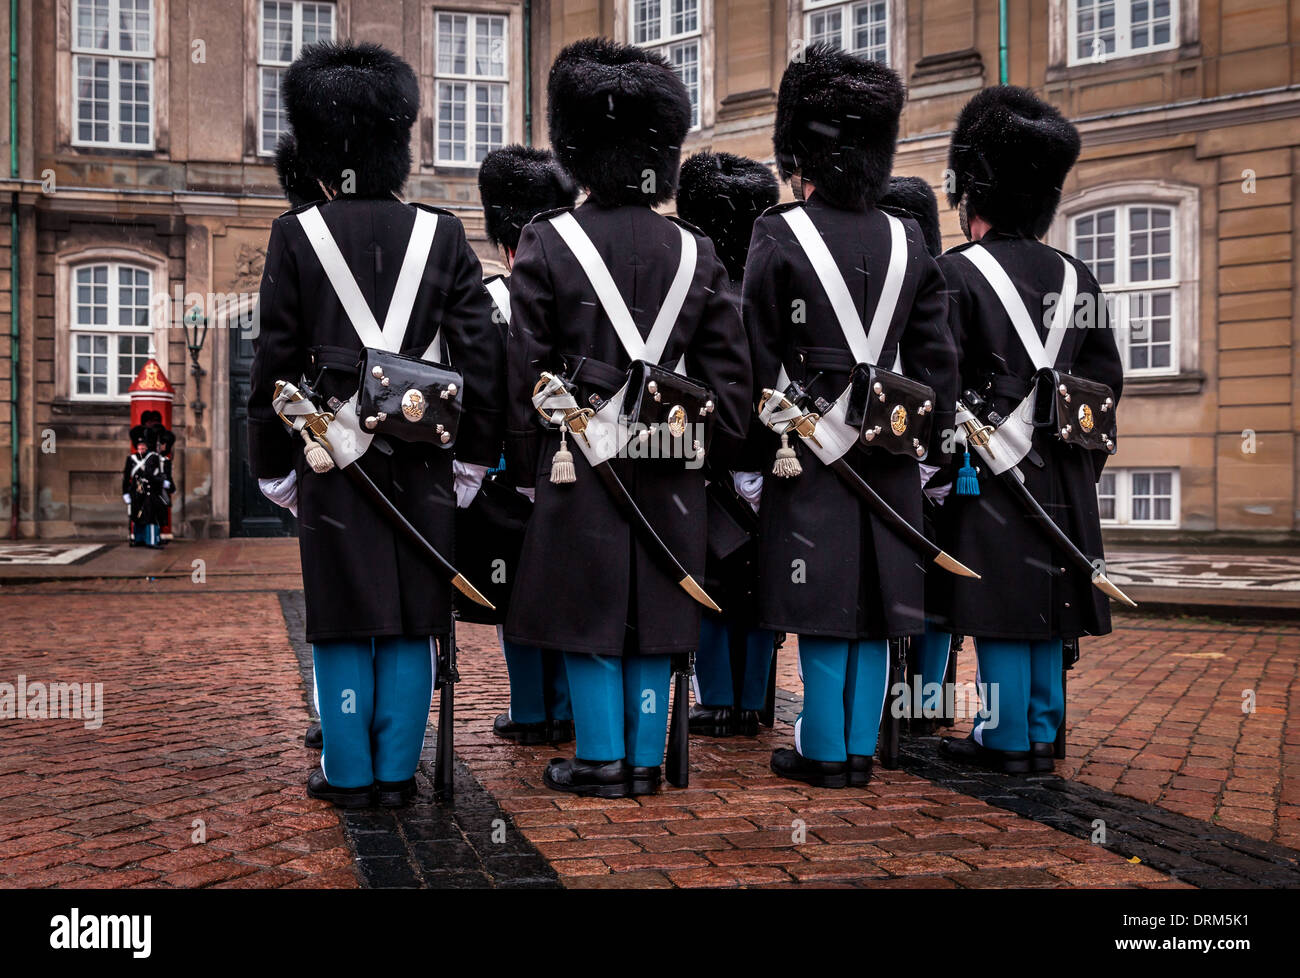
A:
[612,302]
[345,286]
[1042,355]
[500,294]
[865,345]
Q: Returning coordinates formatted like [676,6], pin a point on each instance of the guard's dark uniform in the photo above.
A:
[142,486]
[828,570]
[587,586]
[723,195]
[515,184]
[1010,153]
[373,600]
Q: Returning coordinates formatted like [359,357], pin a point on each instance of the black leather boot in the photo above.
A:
[645,780]
[318,787]
[859,769]
[599,779]
[395,794]
[968,751]
[1042,757]
[313,738]
[712,721]
[561,732]
[747,723]
[787,763]
[527,734]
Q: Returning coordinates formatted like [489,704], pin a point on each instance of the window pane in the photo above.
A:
[133,101]
[317,23]
[646,21]
[489,119]
[134,27]
[92,24]
[490,46]
[1094,29]
[132,355]
[686,16]
[685,59]
[870,37]
[277,31]
[1152,23]
[826,27]
[453,40]
[1094,239]
[451,121]
[92,100]
[1106,496]
[274,119]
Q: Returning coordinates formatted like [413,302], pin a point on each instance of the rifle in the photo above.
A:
[444,764]
[767,715]
[1070,648]
[679,740]
[890,724]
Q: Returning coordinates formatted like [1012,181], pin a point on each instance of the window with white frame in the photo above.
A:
[673,28]
[111,328]
[1104,29]
[1130,249]
[286,27]
[1138,497]
[861,28]
[472,99]
[112,67]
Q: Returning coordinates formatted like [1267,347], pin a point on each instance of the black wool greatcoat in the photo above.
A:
[145,485]
[585,582]
[361,579]
[827,565]
[1028,591]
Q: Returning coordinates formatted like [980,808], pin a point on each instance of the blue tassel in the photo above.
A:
[968,482]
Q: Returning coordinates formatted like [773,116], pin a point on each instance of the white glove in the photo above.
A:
[936,494]
[467,479]
[126,498]
[282,491]
[168,486]
[530,493]
[750,487]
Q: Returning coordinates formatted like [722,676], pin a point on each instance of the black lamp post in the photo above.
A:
[196,331]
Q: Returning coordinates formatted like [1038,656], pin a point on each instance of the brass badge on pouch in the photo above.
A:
[413,405]
[1085,417]
[898,419]
[677,420]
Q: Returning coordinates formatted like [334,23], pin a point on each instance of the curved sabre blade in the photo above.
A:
[954,566]
[471,592]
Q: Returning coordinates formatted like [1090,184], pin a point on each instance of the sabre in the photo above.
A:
[805,427]
[298,412]
[977,434]
[577,419]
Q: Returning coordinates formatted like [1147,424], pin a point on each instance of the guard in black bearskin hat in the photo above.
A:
[838,291]
[334,271]
[1039,392]
[299,186]
[624,337]
[515,184]
[142,486]
[911,197]
[723,195]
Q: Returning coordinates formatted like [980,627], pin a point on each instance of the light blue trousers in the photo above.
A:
[373,696]
[620,706]
[714,683]
[935,647]
[1029,701]
[539,685]
[844,689]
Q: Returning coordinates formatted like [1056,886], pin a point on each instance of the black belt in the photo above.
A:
[592,376]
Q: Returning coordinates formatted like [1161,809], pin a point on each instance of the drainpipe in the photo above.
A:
[528,72]
[13,272]
[1003,74]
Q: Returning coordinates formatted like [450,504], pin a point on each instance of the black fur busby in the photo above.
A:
[723,194]
[351,108]
[617,116]
[912,197]
[1010,155]
[836,124]
[299,186]
[144,433]
[517,183]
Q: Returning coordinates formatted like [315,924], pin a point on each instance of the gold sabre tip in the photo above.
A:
[954,566]
[695,591]
[471,592]
[1106,586]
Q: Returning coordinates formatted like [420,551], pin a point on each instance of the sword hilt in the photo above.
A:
[575,417]
[317,422]
[805,426]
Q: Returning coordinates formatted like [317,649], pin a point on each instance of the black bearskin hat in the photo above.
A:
[144,433]
[912,197]
[1010,155]
[617,116]
[299,186]
[836,124]
[351,107]
[516,184]
[723,195]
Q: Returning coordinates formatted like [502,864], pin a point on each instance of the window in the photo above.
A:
[287,25]
[112,65]
[471,59]
[1104,29]
[861,28]
[672,27]
[111,328]
[1130,249]
[1138,497]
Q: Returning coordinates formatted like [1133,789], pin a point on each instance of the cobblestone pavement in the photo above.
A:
[210,729]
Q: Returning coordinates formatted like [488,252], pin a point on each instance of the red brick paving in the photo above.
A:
[205,725]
